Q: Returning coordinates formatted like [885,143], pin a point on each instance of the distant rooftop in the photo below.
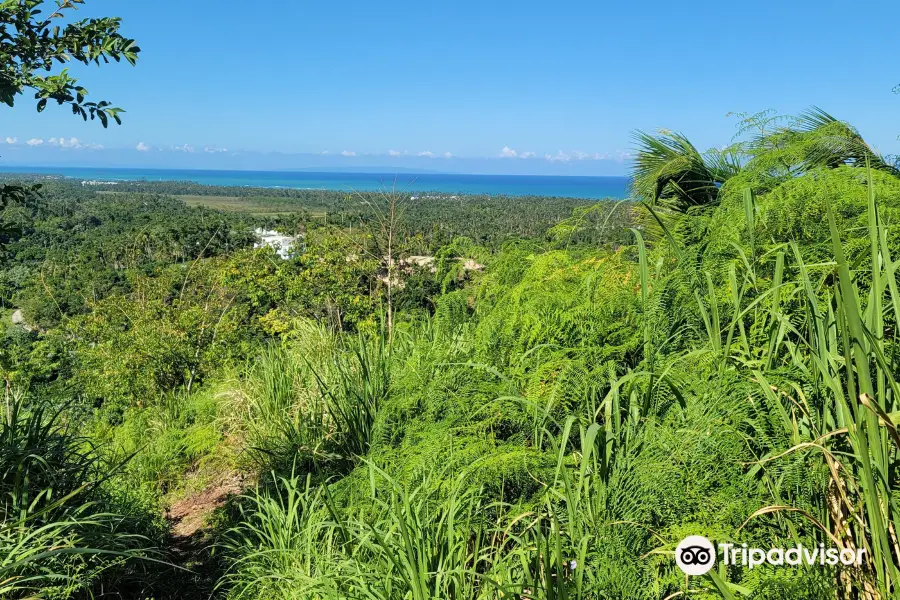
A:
[283,244]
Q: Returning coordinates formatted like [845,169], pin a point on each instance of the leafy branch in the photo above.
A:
[31,44]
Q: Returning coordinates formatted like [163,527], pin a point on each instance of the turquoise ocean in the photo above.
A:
[445,183]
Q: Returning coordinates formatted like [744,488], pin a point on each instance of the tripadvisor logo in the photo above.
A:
[696,555]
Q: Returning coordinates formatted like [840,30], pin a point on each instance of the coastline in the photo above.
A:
[563,186]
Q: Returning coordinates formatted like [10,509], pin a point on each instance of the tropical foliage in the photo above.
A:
[474,398]
[34,42]
[547,419]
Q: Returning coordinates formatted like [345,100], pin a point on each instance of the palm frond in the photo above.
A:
[817,139]
[670,172]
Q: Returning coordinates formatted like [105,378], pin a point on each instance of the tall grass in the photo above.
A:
[55,537]
[358,382]
[780,402]
[844,398]
[312,404]
[425,541]
[285,546]
[434,537]
[287,418]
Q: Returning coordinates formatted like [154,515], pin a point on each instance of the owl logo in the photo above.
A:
[695,555]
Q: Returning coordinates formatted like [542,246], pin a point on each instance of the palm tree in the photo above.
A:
[669,172]
[818,140]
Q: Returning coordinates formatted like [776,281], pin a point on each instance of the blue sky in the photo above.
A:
[557,87]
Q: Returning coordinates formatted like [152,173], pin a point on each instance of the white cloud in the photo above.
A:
[560,156]
[393,153]
[578,155]
[142,147]
[92,146]
[12,140]
[183,148]
[508,152]
[427,153]
[447,155]
[35,142]
[64,143]
[213,150]
[348,153]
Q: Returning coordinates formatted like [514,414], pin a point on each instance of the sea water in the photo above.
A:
[445,183]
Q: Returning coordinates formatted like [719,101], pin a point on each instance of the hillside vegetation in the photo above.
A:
[543,411]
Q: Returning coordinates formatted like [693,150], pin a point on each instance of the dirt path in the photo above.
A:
[191,542]
[189,515]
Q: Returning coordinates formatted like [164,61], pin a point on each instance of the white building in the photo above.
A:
[283,244]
